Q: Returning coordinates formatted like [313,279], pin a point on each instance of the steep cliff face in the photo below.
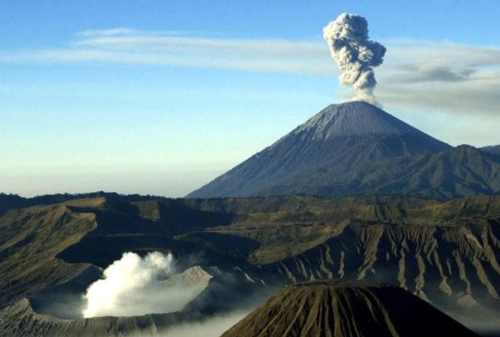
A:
[446,265]
[326,310]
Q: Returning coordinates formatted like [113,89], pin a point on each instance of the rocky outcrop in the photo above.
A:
[447,265]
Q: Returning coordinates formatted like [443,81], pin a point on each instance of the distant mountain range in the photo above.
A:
[356,148]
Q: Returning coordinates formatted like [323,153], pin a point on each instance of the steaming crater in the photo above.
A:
[130,286]
[135,285]
[134,295]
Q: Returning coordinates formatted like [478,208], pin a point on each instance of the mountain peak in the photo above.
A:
[323,309]
[327,155]
[353,119]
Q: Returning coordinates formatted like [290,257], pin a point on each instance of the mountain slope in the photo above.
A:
[340,139]
[458,172]
[492,149]
[461,171]
[31,239]
[322,309]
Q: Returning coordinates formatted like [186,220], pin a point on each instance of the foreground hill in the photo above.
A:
[323,309]
[356,148]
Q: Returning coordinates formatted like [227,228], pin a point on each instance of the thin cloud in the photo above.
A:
[107,32]
[444,77]
[128,46]
[432,73]
[450,77]
[472,96]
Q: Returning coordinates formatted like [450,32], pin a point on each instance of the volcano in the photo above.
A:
[356,148]
[323,309]
[333,146]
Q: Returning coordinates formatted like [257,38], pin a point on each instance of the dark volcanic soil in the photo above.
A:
[323,309]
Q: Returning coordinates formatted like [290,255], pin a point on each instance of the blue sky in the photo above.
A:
[161,96]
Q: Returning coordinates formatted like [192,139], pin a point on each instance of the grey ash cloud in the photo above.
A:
[354,53]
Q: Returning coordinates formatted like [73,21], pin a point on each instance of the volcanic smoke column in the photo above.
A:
[354,53]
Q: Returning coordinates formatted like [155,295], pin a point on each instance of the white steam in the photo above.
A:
[137,286]
[212,327]
[354,53]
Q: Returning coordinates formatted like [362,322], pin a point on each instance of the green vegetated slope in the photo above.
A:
[30,241]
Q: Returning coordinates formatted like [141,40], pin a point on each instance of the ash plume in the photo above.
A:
[354,53]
